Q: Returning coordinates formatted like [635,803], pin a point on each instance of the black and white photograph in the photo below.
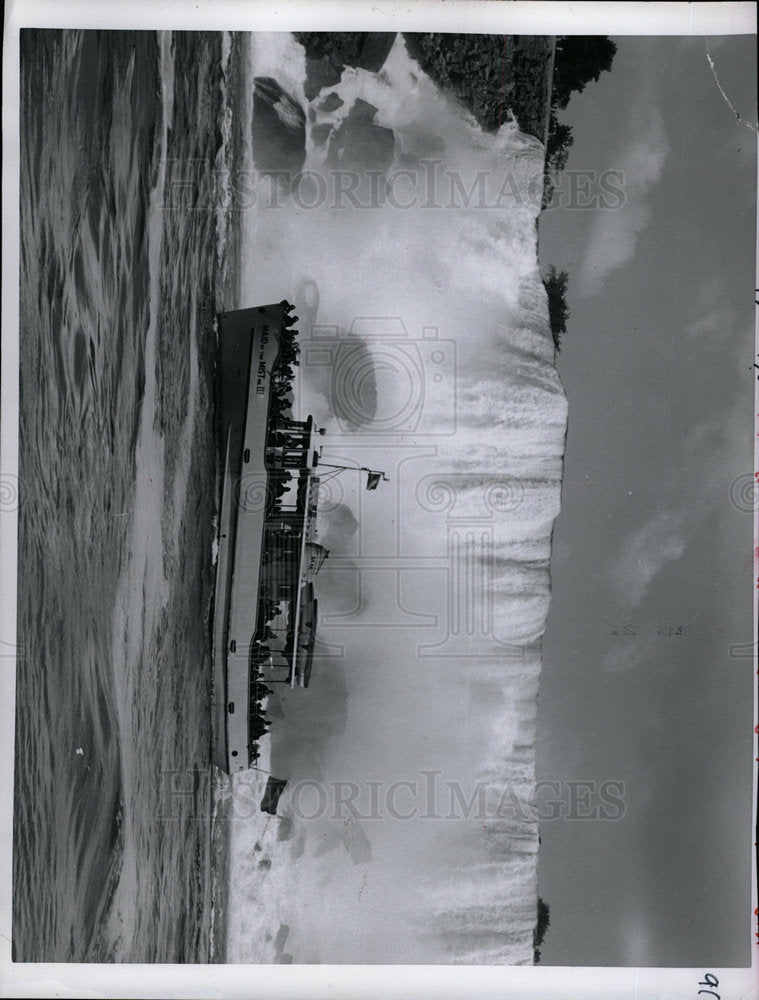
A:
[378,499]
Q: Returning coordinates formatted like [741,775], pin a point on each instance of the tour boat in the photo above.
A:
[264,622]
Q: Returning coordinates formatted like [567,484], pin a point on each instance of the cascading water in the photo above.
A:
[436,721]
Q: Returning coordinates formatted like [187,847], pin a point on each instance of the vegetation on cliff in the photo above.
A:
[578,60]
[498,75]
[544,919]
[493,75]
[555,284]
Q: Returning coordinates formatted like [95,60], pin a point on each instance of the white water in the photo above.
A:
[451,883]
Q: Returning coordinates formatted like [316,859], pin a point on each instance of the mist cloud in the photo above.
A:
[646,553]
[614,234]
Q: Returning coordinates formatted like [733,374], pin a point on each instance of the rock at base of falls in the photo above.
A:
[328,54]
[359,143]
[279,129]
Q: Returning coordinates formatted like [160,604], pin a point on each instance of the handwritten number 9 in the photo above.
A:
[709,980]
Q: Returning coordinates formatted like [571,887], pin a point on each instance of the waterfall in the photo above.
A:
[432,610]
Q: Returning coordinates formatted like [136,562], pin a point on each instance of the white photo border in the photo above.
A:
[474,16]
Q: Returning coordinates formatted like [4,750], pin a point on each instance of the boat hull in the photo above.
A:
[249,343]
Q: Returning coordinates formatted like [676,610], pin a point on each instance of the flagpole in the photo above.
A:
[352,468]
[374,475]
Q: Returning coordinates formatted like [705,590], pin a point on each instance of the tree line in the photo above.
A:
[579,60]
[544,919]
[555,284]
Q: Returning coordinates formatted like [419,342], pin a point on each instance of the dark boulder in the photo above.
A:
[320,73]
[285,828]
[331,102]
[320,133]
[279,129]
[362,111]
[329,52]
[280,938]
[272,795]
[356,842]
[359,143]
[374,50]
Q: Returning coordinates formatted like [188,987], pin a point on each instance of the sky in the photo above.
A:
[652,562]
